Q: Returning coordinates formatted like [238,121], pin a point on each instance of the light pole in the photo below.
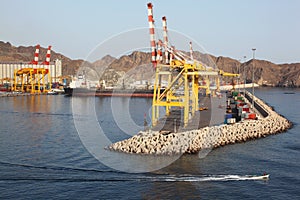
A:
[244,75]
[253,77]
[238,78]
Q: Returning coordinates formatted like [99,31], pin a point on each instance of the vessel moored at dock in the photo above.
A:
[109,92]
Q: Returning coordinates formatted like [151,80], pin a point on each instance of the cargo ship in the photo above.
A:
[109,92]
[81,87]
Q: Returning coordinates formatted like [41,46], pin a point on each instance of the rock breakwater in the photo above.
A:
[158,143]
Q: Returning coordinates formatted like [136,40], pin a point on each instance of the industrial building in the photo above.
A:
[7,69]
[34,76]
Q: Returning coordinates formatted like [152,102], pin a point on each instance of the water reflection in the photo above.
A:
[186,165]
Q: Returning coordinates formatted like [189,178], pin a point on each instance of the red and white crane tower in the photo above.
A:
[159,56]
[191,51]
[166,40]
[152,34]
[35,61]
[47,61]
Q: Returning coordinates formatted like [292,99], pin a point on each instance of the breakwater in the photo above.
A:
[14,94]
[166,143]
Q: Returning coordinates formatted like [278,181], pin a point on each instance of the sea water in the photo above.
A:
[42,156]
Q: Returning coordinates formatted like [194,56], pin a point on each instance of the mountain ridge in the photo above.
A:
[137,65]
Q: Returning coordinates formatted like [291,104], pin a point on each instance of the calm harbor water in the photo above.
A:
[42,156]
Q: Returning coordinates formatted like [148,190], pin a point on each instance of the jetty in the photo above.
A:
[208,137]
[14,94]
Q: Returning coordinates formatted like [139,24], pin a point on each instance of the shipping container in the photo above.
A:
[240,110]
[231,121]
[246,109]
[244,115]
[228,115]
[235,93]
[252,116]
[240,98]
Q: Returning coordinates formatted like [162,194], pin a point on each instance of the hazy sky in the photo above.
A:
[228,28]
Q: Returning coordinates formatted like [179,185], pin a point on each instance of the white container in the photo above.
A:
[231,120]
[247,115]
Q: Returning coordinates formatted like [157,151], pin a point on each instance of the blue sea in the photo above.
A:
[42,155]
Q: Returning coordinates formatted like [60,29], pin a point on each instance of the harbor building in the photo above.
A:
[7,69]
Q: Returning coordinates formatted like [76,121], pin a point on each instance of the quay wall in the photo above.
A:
[193,141]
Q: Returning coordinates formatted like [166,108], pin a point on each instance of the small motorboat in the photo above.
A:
[52,92]
[265,176]
[289,93]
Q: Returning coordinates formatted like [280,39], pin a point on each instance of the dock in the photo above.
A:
[199,136]
[13,94]
[212,114]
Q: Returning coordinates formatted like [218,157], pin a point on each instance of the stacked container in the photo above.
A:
[237,109]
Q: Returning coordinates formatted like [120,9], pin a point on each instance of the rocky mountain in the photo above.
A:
[137,66]
[126,70]
[290,75]
[25,54]
[265,73]
[104,61]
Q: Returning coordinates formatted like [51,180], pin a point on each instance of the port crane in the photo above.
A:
[32,79]
[182,73]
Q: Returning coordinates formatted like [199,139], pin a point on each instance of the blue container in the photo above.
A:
[228,116]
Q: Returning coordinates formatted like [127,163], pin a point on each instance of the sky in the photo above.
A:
[230,28]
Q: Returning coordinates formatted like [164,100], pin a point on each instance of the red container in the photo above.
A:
[246,109]
[252,116]
[240,105]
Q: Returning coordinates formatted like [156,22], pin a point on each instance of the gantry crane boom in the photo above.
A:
[182,73]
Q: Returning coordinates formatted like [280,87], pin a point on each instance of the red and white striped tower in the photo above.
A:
[159,57]
[166,42]
[36,55]
[47,62]
[172,53]
[152,35]
[191,51]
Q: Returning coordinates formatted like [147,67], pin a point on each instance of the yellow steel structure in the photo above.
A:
[31,80]
[63,77]
[182,74]
[6,80]
[183,86]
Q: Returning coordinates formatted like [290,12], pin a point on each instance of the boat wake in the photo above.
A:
[206,178]
[53,174]
[219,178]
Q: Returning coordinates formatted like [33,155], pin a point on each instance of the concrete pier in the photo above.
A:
[173,122]
[192,141]
[14,94]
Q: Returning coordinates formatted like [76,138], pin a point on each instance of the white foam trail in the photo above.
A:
[207,178]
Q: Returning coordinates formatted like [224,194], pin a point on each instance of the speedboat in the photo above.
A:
[52,92]
[265,176]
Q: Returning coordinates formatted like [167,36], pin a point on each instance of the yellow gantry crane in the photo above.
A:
[30,80]
[182,74]
[182,87]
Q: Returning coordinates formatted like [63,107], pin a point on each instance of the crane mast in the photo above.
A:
[182,74]
[152,35]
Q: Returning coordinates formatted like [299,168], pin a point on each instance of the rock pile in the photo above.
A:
[157,143]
